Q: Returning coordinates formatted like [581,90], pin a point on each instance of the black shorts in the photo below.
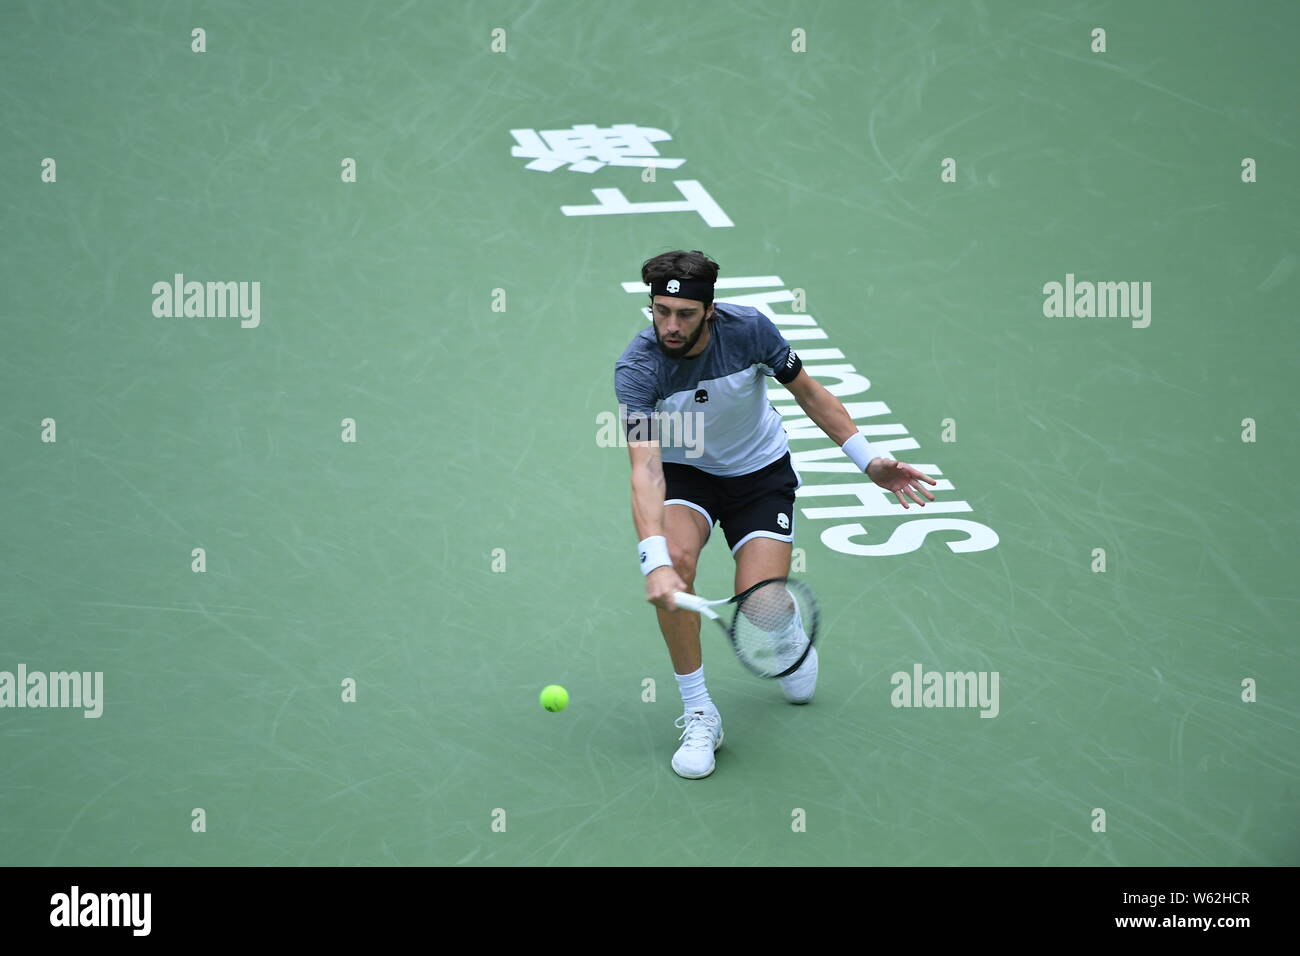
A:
[757,505]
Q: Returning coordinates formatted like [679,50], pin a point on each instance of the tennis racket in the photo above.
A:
[772,627]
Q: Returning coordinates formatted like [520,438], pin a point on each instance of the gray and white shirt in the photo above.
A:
[724,385]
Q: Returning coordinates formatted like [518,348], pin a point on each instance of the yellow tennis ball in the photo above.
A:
[554,698]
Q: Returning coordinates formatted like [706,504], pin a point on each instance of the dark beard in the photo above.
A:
[681,350]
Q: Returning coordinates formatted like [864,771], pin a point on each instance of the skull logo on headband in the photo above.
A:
[673,285]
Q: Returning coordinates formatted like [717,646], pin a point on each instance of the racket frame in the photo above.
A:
[693,602]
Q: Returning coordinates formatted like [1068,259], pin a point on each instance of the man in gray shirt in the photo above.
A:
[711,360]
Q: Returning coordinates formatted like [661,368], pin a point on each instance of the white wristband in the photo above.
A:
[654,553]
[861,451]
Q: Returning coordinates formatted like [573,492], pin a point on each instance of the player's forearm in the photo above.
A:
[829,414]
[648,501]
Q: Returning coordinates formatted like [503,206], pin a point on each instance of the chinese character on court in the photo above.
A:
[586,148]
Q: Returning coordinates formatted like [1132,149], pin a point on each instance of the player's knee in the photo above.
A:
[683,563]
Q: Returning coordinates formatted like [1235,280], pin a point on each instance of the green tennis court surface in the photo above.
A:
[390,459]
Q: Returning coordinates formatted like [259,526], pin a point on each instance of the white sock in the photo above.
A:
[695,696]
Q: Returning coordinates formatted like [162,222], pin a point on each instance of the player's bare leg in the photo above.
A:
[757,560]
[701,725]
[686,531]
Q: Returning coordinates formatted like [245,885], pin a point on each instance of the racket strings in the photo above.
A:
[768,629]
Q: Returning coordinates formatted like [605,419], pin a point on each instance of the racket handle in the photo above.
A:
[690,602]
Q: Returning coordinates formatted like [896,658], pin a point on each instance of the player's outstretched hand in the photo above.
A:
[898,478]
[660,585]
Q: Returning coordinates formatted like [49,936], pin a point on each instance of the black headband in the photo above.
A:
[698,289]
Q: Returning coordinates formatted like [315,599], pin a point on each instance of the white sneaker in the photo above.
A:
[799,686]
[701,735]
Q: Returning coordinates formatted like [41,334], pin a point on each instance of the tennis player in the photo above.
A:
[711,360]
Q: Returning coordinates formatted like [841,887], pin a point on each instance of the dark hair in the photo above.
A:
[680,264]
